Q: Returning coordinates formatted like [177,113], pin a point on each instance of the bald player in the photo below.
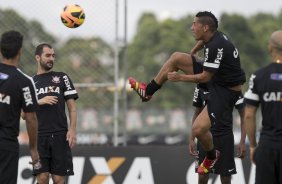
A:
[265,89]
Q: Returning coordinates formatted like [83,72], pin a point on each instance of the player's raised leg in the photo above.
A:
[177,61]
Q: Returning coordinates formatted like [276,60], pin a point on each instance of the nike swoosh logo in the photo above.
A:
[230,170]
[146,139]
[173,139]
[212,114]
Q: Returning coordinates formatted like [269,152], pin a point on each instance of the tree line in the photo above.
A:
[156,40]
[91,60]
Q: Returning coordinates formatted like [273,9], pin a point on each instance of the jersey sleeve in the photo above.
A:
[69,89]
[240,102]
[213,56]
[251,96]
[29,97]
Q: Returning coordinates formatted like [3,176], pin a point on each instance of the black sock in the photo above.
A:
[211,154]
[152,87]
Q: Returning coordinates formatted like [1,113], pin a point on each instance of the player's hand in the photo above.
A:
[36,164]
[51,100]
[22,115]
[71,138]
[252,154]
[192,148]
[241,150]
[173,76]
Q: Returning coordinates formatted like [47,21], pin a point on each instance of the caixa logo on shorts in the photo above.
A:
[272,97]
[27,96]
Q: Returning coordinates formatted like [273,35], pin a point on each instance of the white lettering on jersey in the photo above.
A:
[250,94]
[48,89]
[67,82]
[3,76]
[236,53]
[251,83]
[219,55]
[196,94]
[27,96]
[5,99]
[206,54]
[272,96]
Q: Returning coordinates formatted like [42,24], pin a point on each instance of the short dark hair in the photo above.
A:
[39,48]
[11,43]
[207,18]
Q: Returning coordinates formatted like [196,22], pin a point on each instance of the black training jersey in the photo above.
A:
[265,88]
[17,92]
[222,59]
[52,119]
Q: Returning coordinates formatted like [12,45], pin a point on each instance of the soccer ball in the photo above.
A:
[72,16]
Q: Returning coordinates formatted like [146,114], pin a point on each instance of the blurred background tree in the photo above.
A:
[91,60]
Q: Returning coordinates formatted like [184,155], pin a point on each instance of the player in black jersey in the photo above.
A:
[55,137]
[221,69]
[265,88]
[17,92]
[223,140]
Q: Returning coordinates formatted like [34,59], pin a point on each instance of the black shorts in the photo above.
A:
[9,167]
[197,64]
[55,155]
[220,104]
[225,166]
[268,165]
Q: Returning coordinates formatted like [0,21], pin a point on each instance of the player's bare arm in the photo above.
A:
[31,126]
[192,145]
[250,126]
[197,78]
[241,149]
[199,46]
[71,135]
[51,100]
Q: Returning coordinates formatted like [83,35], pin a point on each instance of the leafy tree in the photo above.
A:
[33,34]
[239,29]
[153,44]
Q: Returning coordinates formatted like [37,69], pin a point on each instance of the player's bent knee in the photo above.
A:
[58,179]
[225,179]
[197,130]
[42,178]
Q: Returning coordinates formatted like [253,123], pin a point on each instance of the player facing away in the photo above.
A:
[55,137]
[223,140]
[17,92]
[221,69]
[265,89]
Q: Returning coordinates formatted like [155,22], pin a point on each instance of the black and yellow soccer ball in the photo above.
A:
[72,16]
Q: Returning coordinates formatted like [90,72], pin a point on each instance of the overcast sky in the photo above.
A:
[100,14]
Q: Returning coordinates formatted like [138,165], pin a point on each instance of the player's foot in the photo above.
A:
[140,89]
[207,164]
